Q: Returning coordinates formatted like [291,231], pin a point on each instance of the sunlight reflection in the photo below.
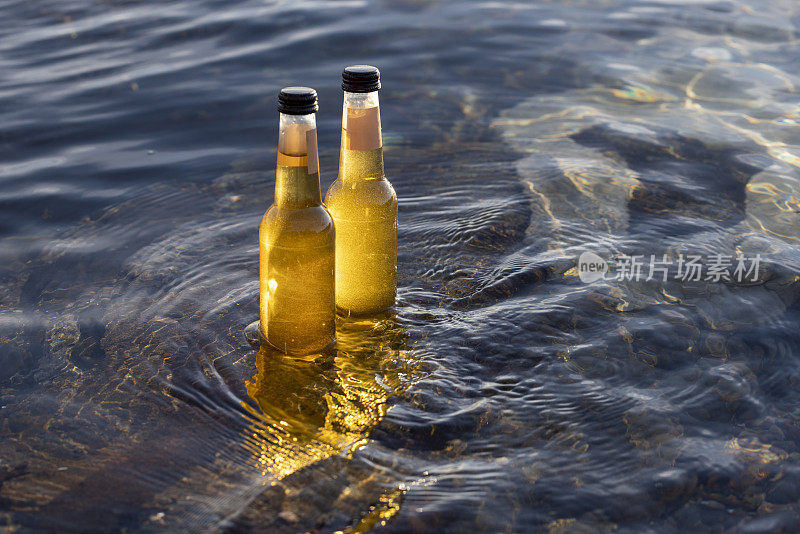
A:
[324,404]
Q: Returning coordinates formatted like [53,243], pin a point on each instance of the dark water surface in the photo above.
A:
[502,394]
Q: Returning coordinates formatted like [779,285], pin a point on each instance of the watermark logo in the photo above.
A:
[685,268]
[591,267]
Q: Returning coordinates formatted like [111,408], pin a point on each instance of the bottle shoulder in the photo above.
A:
[377,193]
[289,226]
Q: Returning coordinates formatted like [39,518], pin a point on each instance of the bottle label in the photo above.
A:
[298,148]
[313,155]
[363,129]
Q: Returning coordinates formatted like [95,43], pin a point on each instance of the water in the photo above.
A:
[502,394]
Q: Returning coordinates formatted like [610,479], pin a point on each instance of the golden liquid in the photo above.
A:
[363,205]
[296,245]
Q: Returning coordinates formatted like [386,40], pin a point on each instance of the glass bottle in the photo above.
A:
[296,238]
[363,203]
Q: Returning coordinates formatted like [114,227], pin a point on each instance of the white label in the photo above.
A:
[313,155]
[363,129]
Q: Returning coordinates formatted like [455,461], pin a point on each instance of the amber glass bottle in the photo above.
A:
[363,203]
[296,238]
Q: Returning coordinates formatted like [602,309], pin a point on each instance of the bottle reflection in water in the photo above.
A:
[363,203]
[320,405]
[296,238]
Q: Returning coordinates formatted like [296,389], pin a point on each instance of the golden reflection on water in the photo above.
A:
[317,406]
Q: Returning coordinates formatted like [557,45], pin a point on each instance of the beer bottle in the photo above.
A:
[363,203]
[296,238]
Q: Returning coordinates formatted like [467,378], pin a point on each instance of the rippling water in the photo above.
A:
[502,393]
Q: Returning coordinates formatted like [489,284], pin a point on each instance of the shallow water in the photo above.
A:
[502,393]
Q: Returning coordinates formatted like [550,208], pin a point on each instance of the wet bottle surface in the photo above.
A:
[363,203]
[296,238]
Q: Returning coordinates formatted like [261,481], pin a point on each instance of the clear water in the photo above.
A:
[503,394]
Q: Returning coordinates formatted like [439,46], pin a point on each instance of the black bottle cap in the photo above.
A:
[361,79]
[297,101]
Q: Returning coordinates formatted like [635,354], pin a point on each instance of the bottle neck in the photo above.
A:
[297,175]
[361,155]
